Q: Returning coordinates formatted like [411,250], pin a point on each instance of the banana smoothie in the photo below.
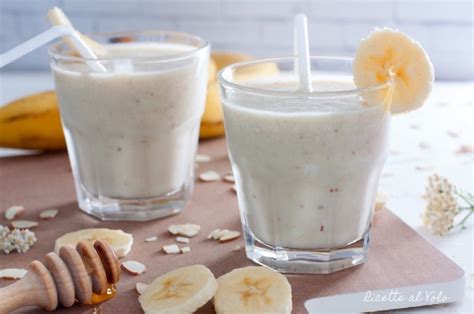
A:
[306,170]
[132,131]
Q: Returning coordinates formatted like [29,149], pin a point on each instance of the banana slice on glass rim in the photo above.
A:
[390,56]
[253,289]
[182,290]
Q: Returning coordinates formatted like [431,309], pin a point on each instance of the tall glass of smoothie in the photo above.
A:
[132,130]
[306,164]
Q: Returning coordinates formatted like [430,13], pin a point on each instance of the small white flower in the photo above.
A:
[441,207]
[16,239]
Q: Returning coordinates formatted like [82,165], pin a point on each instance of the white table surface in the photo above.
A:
[450,108]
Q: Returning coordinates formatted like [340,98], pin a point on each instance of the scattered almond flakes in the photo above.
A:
[23,224]
[48,214]
[12,273]
[140,286]
[209,176]
[13,211]
[203,158]
[236,248]
[134,267]
[229,178]
[229,236]
[182,239]
[151,239]
[185,249]
[381,200]
[465,149]
[187,230]
[171,249]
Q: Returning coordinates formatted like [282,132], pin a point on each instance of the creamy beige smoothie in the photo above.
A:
[306,170]
[134,129]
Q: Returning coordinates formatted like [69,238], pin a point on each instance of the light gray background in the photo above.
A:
[260,27]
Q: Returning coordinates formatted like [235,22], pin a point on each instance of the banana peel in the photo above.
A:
[32,122]
[211,130]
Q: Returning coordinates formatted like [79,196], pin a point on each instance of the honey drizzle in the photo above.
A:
[110,293]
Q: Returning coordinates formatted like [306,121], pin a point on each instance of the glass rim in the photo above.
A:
[203,44]
[313,94]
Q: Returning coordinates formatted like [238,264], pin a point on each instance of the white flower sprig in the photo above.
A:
[16,240]
[442,205]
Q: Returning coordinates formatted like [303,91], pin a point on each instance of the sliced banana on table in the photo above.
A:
[387,55]
[120,241]
[182,290]
[253,289]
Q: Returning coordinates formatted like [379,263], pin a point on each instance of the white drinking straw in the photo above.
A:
[47,36]
[302,52]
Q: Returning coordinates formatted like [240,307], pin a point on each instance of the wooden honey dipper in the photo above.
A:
[84,274]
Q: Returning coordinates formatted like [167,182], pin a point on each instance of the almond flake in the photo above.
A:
[185,249]
[187,230]
[140,286]
[209,176]
[424,168]
[182,239]
[151,239]
[203,158]
[134,267]
[234,188]
[48,214]
[229,236]
[171,249]
[13,211]
[213,233]
[380,200]
[424,145]
[236,248]
[452,133]
[23,224]
[12,273]
[219,234]
[229,178]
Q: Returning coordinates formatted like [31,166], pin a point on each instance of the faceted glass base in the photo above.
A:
[143,209]
[288,260]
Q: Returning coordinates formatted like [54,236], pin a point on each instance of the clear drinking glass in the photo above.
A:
[306,164]
[132,131]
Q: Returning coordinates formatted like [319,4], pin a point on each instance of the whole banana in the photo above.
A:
[32,122]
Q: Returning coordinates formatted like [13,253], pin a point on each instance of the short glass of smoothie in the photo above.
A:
[132,129]
[306,164]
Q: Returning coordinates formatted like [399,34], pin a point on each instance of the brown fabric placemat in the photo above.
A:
[398,256]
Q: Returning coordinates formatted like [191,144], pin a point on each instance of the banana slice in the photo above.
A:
[120,241]
[56,16]
[388,55]
[182,290]
[253,289]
